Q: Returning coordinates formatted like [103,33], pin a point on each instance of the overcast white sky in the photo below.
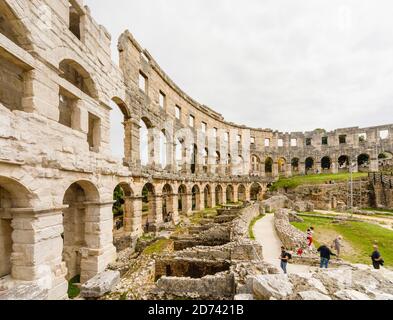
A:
[280,64]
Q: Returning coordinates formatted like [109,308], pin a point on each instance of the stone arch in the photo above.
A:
[310,165]
[282,165]
[385,161]
[269,166]
[119,131]
[167,203]
[78,76]
[219,195]
[343,163]
[230,193]
[148,206]
[363,162]
[256,192]
[326,164]
[13,195]
[182,198]
[255,165]
[196,198]
[146,143]
[121,208]
[207,196]
[80,198]
[242,193]
[295,164]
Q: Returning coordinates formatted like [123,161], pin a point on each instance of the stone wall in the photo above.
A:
[291,237]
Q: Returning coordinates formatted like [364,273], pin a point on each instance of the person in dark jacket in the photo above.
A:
[377,258]
[326,254]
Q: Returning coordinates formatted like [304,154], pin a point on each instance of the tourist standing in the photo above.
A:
[377,258]
[337,245]
[285,257]
[326,254]
[310,237]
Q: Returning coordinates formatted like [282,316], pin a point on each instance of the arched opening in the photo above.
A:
[118,116]
[144,141]
[163,150]
[120,209]
[219,195]
[148,206]
[343,163]
[282,166]
[196,198]
[218,162]
[228,166]
[182,199]
[75,74]
[167,203]
[205,159]
[326,164]
[256,192]
[255,165]
[179,154]
[269,166]
[295,163]
[364,162]
[207,197]
[242,193]
[230,194]
[309,163]
[385,161]
[77,197]
[194,157]
[12,195]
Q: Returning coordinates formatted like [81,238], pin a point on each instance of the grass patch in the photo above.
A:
[252,225]
[73,290]
[205,214]
[360,235]
[293,182]
[158,247]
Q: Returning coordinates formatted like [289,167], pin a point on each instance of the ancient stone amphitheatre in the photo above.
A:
[181,222]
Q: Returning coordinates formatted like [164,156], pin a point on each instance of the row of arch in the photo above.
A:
[327,164]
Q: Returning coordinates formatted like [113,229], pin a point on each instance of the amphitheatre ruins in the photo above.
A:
[58,176]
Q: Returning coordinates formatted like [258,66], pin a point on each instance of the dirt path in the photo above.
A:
[266,235]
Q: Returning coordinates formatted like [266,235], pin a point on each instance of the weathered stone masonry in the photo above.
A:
[57,174]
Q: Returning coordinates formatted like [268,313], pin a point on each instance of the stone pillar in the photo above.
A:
[99,251]
[188,204]
[175,212]
[235,194]
[133,216]
[224,196]
[153,147]
[318,167]
[248,193]
[211,201]
[38,249]
[275,172]
[157,211]
[288,170]
[334,167]
[132,154]
[374,165]
[302,168]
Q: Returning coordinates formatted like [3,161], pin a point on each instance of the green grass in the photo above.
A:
[252,225]
[157,247]
[293,182]
[360,235]
[73,291]
[205,214]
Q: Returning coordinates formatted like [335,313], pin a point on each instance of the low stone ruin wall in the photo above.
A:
[221,285]
[189,267]
[291,238]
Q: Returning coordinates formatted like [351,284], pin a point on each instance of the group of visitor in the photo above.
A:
[326,252]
